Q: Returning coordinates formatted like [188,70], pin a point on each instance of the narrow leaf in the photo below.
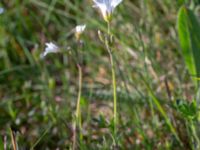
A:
[189,37]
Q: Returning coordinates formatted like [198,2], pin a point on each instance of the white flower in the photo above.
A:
[107,7]
[80,28]
[1,10]
[50,48]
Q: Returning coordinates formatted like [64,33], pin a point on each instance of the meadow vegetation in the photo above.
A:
[130,82]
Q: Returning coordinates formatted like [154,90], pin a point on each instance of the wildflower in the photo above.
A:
[1,10]
[79,30]
[50,48]
[106,7]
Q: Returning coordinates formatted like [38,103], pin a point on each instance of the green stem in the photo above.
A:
[78,111]
[77,121]
[114,92]
[113,78]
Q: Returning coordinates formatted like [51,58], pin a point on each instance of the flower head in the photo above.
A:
[106,7]
[79,30]
[50,48]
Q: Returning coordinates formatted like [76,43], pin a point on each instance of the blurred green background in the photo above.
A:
[38,96]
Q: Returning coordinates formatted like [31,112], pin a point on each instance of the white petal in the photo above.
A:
[50,48]
[109,7]
[80,28]
[106,6]
[101,6]
[98,1]
[115,3]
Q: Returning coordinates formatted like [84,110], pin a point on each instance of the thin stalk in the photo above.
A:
[114,92]
[77,121]
[113,77]
[78,111]
[13,139]
[40,138]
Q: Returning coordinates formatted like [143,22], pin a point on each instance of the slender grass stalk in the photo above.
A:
[41,137]
[13,139]
[107,42]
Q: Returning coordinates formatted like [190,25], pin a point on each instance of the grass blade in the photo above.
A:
[189,36]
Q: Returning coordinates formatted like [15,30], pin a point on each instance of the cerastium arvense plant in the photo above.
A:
[107,7]
[53,48]
[77,122]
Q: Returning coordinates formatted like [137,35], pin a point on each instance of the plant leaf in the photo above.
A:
[189,37]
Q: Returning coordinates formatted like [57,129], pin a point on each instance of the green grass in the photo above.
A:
[157,100]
